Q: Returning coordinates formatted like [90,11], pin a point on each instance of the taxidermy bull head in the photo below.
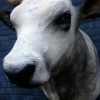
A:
[51,51]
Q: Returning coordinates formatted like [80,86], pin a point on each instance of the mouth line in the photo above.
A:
[24,78]
[29,86]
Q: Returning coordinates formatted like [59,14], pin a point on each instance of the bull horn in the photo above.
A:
[14,2]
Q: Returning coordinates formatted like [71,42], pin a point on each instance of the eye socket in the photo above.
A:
[63,21]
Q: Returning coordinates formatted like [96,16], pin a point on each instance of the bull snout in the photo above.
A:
[22,77]
[25,72]
[20,74]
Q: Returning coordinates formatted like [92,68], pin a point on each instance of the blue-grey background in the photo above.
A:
[9,91]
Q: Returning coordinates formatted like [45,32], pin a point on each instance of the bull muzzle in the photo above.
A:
[25,73]
[23,77]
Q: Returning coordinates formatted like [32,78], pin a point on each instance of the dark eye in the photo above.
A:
[63,21]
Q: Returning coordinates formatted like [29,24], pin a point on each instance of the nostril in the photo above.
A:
[23,76]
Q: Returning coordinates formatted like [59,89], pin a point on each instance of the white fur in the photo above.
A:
[31,19]
[38,42]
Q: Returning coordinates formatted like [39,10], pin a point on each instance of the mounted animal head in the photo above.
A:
[46,31]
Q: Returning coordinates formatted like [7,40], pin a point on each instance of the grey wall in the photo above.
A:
[9,91]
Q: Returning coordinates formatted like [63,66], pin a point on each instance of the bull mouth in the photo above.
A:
[26,77]
[23,78]
[25,83]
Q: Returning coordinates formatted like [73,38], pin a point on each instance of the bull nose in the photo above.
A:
[22,77]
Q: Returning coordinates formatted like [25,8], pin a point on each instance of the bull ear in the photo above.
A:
[90,7]
[14,2]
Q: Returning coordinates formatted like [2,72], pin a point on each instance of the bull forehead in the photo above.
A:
[43,8]
[46,4]
[31,13]
[50,2]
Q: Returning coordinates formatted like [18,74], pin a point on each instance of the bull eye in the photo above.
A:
[63,21]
